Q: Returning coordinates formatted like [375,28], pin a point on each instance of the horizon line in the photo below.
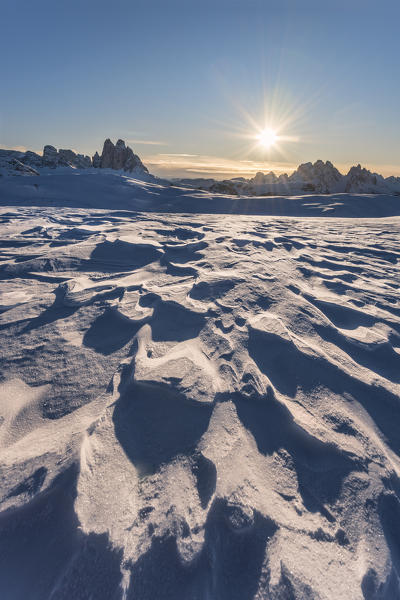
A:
[221,166]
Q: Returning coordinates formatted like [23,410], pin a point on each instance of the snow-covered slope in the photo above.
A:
[197,406]
[11,164]
[105,188]
[320,177]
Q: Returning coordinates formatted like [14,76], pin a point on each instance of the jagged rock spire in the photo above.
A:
[119,157]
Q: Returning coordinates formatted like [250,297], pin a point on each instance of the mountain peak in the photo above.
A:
[120,157]
[312,178]
[117,157]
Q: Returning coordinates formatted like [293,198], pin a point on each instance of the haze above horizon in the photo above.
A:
[212,89]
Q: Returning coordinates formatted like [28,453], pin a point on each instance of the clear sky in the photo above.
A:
[190,83]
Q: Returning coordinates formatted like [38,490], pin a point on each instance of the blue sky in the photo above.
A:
[190,83]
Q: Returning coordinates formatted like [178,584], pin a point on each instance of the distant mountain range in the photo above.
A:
[118,157]
[309,178]
[320,177]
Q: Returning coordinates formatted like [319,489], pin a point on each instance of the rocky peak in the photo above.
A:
[360,173]
[263,179]
[50,156]
[359,178]
[63,158]
[96,160]
[270,177]
[258,178]
[318,177]
[119,157]
[106,159]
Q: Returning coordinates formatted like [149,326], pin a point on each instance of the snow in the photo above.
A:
[199,394]
[107,189]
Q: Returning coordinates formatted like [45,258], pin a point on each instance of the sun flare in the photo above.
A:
[267,138]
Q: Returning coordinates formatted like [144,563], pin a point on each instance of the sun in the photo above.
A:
[267,138]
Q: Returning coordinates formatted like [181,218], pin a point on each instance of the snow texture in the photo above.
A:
[199,394]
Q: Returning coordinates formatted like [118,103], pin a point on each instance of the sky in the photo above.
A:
[189,84]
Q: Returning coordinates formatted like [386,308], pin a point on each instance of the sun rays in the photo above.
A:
[267,138]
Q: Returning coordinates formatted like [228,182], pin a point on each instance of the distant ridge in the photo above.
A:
[116,157]
[320,177]
[309,178]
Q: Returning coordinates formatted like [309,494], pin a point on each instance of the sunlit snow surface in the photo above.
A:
[197,406]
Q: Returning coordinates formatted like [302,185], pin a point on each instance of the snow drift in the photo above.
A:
[197,406]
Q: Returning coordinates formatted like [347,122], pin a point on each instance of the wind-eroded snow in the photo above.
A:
[197,407]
